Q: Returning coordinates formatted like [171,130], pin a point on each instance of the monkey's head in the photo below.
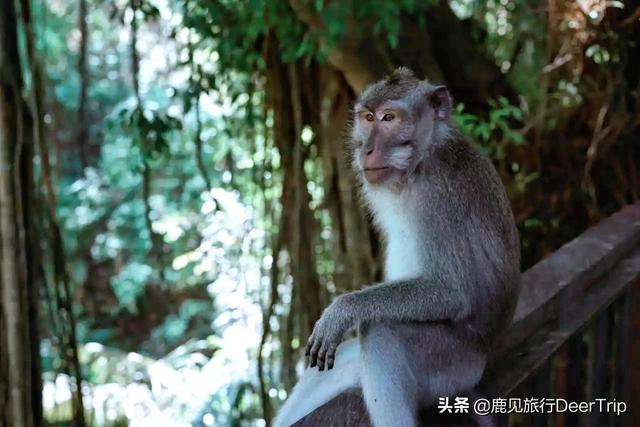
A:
[396,121]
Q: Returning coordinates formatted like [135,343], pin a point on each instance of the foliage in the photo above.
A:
[494,133]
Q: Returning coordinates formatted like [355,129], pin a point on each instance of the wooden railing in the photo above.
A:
[575,336]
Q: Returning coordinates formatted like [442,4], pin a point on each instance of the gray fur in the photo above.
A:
[452,267]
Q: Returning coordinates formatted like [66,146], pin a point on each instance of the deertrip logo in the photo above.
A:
[528,405]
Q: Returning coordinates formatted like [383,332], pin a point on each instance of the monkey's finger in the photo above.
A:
[330,359]
[309,353]
[321,357]
[331,356]
[307,349]
[313,356]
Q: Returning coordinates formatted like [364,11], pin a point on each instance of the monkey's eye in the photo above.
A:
[388,117]
[369,117]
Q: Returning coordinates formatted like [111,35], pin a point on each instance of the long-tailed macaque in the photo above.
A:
[452,267]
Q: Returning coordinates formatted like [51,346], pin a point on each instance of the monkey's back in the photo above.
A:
[471,239]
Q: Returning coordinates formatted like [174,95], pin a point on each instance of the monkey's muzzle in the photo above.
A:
[377,175]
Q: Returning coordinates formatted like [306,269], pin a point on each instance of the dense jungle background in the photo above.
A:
[176,205]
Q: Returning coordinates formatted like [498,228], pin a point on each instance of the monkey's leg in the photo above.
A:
[316,388]
[389,386]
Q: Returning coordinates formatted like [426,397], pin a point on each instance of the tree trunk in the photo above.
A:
[83,71]
[443,50]
[19,339]
[355,247]
[62,279]
[300,231]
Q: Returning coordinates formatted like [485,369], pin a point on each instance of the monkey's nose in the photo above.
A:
[368,151]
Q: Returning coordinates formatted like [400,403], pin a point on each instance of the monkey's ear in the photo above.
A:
[440,101]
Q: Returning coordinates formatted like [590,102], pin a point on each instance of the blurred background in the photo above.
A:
[183,209]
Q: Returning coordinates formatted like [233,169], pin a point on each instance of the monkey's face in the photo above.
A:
[386,145]
[393,129]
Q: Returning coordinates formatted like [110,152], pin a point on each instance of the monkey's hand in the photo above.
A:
[328,333]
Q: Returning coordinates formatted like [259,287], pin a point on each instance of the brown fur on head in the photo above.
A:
[394,86]
[396,120]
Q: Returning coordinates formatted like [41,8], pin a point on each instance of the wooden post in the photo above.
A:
[633,365]
[601,372]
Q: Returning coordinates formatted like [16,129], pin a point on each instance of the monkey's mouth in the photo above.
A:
[377,175]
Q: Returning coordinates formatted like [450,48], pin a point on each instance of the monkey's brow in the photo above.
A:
[376,105]
[363,109]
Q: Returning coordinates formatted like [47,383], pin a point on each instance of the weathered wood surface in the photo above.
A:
[508,371]
[559,296]
[560,279]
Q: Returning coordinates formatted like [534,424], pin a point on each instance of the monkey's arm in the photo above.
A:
[416,299]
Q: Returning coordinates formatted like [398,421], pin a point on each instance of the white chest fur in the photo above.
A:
[398,221]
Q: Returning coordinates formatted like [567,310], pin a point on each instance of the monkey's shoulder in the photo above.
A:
[470,185]
[464,166]
[457,153]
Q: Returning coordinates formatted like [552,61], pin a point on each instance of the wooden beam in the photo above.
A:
[541,345]
[558,280]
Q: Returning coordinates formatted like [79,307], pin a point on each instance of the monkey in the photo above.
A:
[452,263]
